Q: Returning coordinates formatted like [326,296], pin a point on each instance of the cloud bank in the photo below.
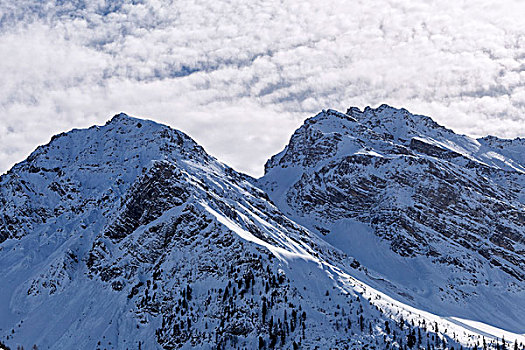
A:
[240,76]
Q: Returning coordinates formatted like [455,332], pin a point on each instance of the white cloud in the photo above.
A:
[240,76]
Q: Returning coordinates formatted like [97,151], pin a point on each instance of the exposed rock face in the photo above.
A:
[161,188]
[452,203]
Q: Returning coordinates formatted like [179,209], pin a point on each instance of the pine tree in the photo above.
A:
[264,310]
[261,343]
[411,339]
[188,292]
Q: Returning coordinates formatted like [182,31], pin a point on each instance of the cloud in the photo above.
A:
[240,76]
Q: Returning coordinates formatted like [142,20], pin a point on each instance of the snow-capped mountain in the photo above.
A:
[129,235]
[434,218]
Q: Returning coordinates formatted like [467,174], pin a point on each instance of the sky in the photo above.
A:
[240,76]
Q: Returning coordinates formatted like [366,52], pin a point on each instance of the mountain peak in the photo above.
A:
[96,157]
[121,115]
[329,114]
[125,119]
[401,184]
[383,107]
[355,114]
